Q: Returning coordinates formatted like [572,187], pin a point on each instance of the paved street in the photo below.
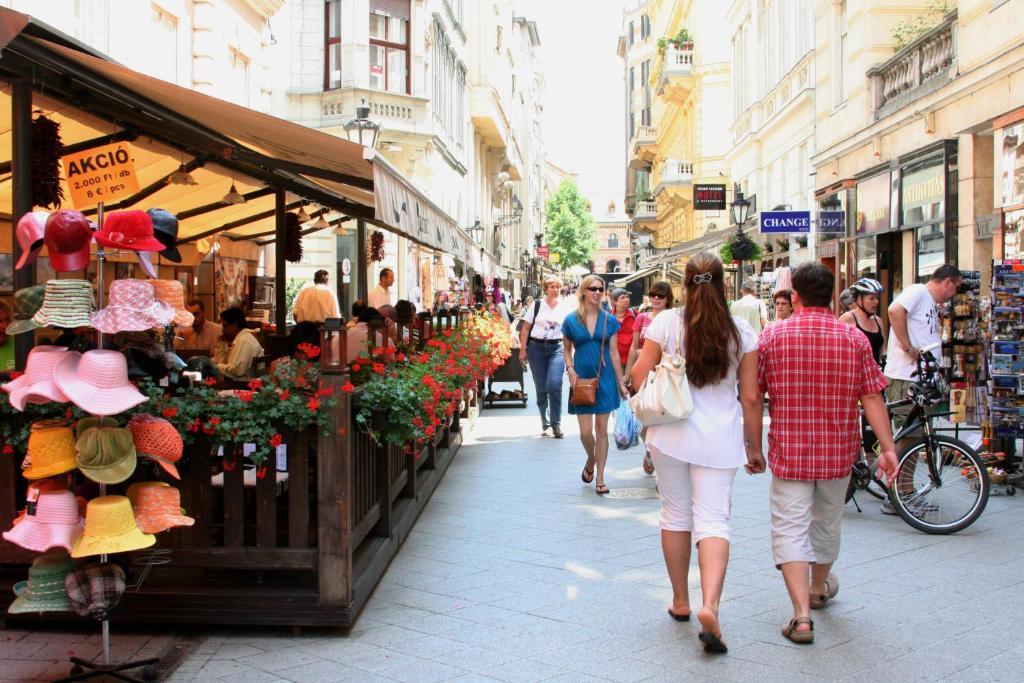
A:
[518,572]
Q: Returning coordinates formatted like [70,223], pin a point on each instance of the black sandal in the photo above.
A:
[587,473]
[678,617]
[712,644]
[600,492]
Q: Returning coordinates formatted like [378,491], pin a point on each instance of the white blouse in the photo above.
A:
[549,320]
[713,435]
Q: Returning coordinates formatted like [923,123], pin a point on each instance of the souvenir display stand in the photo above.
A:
[964,332]
[1006,365]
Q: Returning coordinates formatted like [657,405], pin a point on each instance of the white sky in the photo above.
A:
[584,101]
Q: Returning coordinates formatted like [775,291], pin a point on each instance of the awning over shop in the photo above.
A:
[709,241]
[655,271]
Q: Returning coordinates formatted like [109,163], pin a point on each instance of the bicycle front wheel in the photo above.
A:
[948,502]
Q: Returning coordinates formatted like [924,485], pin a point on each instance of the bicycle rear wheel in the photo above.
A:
[951,502]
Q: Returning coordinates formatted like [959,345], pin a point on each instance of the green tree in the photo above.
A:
[571,232]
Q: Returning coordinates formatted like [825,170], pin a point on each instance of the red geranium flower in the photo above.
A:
[313,405]
[261,473]
[285,395]
[276,440]
[256,384]
[210,381]
[356,367]
[348,387]
[378,368]
[170,412]
[244,396]
[8,449]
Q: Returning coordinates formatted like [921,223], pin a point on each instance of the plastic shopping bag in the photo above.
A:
[627,428]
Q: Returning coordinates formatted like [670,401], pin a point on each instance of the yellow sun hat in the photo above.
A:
[51,451]
[110,528]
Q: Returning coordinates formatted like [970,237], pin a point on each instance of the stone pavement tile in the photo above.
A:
[435,624]
[914,666]
[391,613]
[384,636]
[480,635]
[224,667]
[623,669]
[428,647]
[22,649]
[373,661]
[326,672]
[476,659]
[333,648]
[253,677]
[728,668]
[413,670]
[846,659]
[52,638]
[523,670]
[236,651]
[278,660]
[575,677]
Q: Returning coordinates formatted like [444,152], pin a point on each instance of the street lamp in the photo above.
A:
[476,231]
[739,207]
[362,126]
[832,203]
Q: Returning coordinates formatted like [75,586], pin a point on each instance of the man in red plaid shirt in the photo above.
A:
[815,369]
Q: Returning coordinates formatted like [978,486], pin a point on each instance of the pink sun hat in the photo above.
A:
[37,385]
[30,231]
[97,382]
[51,521]
[132,307]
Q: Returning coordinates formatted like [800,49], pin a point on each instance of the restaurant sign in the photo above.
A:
[708,197]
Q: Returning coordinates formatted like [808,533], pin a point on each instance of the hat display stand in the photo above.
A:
[83,669]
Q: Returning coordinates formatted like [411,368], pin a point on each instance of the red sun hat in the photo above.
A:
[128,230]
[30,231]
[67,236]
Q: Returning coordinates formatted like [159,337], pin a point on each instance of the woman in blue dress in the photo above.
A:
[589,334]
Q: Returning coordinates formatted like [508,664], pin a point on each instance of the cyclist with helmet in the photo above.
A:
[864,313]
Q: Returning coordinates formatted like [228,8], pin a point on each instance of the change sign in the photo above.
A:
[785,221]
[102,174]
[832,222]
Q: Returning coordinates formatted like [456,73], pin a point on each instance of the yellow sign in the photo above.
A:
[102,174]
[555,257]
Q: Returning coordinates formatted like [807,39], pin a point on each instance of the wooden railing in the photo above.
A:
[301,544]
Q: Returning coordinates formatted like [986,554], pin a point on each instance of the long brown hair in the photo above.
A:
[711,337]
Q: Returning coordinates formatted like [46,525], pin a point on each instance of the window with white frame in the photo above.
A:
[449,89]
[613,241]
[842,72]
[389,45]
[239,78]
[332,44]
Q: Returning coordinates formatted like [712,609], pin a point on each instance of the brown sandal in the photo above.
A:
[819,600]
[800,637]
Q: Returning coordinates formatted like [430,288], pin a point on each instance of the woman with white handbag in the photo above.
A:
[686,376]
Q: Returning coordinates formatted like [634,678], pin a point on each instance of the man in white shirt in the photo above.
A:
[381,294]
[749,307]
[914,323]
[316,303]
[239,348]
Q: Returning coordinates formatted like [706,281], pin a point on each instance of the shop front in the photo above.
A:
[1010,161]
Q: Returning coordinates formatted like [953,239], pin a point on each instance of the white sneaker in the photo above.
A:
[887,508]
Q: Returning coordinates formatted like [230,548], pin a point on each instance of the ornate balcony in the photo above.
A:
[675,179]
[643,146]
[920,68]
[676,80]
[645,215]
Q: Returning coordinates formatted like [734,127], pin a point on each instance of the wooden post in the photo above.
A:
[363,286]
[21,193]
[334,497]
[280,265]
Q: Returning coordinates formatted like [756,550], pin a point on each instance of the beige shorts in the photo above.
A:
[807,518]
[896,390]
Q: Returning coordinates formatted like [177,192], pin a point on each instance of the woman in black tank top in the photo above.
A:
[864,314]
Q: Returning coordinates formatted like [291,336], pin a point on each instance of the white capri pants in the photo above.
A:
[693,497]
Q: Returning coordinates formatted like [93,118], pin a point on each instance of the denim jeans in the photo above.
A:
[547,366]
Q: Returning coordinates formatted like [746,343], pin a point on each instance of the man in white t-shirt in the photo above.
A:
[749,307]
[381,294]
[914,324]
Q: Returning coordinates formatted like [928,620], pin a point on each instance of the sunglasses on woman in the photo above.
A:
[595,289]
[655,295]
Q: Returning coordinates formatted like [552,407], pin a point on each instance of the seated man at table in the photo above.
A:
[203,334]
[238,347]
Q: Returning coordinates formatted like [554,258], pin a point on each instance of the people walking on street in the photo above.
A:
[749,307]
[696,459]
[624,314]
[864,314]
[661,299]
[589,334]
[783,304]
[317,303]
[540,342]
[815,369]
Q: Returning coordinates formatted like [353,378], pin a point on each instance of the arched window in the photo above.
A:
[613,241]
[611,266]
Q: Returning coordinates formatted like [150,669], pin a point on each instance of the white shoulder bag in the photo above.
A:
[665,394]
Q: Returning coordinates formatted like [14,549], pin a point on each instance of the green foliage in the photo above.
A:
[739,247]
[571,232]
[906,32]
[291,290]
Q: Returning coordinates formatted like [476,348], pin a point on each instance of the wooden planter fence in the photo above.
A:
[303,545]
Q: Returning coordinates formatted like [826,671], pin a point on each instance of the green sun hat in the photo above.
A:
[27,302]
[106,455]
[44,591]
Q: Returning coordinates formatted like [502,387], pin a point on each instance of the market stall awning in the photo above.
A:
[647,272]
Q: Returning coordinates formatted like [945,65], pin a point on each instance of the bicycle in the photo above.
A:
[941,484]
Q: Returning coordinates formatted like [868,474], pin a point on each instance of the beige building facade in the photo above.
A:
[687,140]
[613,246]
[916,144]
